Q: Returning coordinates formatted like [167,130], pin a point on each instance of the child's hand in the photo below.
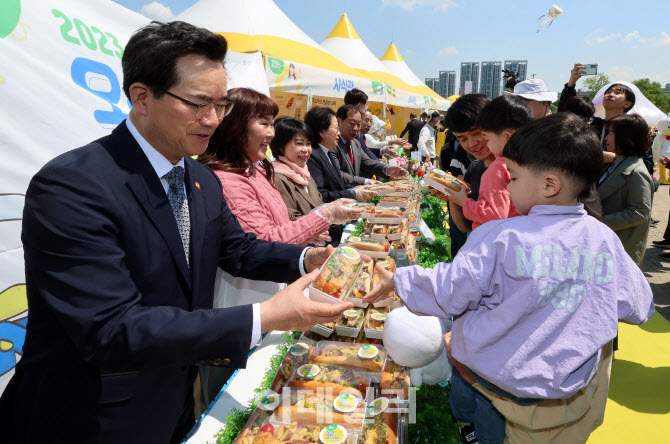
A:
[458,197]
[383,287]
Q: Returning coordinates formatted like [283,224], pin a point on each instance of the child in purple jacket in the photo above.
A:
[537,298]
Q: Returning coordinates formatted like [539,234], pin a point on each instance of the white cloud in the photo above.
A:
[409,5]
[451,50]
[157,11]
[664,40]
[635,35]
[596,37]
[626,73]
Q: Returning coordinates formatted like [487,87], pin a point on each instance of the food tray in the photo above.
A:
[351,357]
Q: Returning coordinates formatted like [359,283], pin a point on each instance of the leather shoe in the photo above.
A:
[665,256]
[661,243]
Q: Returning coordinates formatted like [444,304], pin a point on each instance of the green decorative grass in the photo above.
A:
[434,423]
[237,418]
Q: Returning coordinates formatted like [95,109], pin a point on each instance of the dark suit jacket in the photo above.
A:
[414,128]
[328,180]
[363,165]
[117,322]
[373,153]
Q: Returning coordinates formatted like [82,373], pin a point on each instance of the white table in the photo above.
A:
[238,392]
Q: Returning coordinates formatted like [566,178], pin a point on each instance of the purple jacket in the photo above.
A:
[538,295]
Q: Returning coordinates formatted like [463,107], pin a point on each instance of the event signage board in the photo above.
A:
[61,86]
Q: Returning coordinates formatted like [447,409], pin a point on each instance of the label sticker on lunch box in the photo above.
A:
[269,402]
[345,403]
[378,406]
[333,434]
[354,239]
[350,253]
[378,316]
[351,313]
[368,351]
[308,370]
[299,349]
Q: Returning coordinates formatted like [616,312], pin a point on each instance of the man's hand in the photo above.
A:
[290,310]
[664,160]
[576,73]
[372,182]
[383,288]
[315,257]
[396,172]
[388,150]
[363,193]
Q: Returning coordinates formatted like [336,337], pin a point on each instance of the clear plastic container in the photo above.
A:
[306,433]
[374,247]
[374,321]
[337,276]
[298,353]
[362,287]
[330,379]
[371,358]
[351,321]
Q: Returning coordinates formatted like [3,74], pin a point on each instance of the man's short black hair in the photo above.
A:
[355,96]
[562,142]
[462,115]
[318,119]
[412,116]
[150,57]
[343,111]
[424,114]
[630,95]
[505,112]
[286,128]
[580,106]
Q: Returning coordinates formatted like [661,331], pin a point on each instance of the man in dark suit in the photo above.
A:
[354,163]
[122,239]
[414,128]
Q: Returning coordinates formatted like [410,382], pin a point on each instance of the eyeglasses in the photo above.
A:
[203,110]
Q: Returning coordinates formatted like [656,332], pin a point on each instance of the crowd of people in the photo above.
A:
[147,270]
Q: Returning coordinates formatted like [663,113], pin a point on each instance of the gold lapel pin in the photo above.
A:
[197,185]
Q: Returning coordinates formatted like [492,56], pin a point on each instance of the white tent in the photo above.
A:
[394,63]
[643,106]
[294,62]
[345,43]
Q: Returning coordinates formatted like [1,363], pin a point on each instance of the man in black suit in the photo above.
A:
[414,128]
[122,239]
[355,165]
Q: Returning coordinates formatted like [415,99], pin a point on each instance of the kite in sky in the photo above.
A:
[553,12]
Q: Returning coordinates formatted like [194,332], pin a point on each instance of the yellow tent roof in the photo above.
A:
[344,42]
[392,54]
[344,29]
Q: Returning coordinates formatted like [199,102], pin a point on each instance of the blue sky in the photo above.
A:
[628,39]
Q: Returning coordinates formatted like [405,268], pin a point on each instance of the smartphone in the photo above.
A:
[590,69]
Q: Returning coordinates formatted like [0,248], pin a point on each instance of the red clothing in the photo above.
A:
[494,202]
[260,209]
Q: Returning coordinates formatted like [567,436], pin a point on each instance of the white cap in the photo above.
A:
[534,89]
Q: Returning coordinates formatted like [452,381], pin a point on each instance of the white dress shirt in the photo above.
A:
[162,166]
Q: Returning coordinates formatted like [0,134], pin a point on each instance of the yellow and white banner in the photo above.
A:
[60,88]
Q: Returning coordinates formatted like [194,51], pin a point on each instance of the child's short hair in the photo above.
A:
[631,134]
[507,112]
[580,106]
[286,128]
[562,142]
[461,117]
